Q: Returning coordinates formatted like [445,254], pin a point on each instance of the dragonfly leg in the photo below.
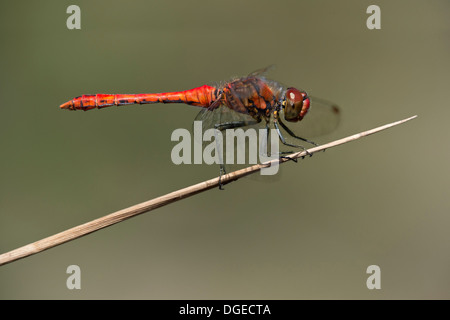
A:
[225,126]
[283,140]
[221,173]
[289,131]
[234,124]
[289,158]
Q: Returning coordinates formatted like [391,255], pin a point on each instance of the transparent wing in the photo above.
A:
[221,115]
[262,72]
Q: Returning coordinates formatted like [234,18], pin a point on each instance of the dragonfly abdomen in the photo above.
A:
[202,96]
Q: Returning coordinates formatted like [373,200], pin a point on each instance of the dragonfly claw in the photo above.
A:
[289,158]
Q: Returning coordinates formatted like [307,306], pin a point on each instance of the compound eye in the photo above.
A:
[294,95]
[297,105]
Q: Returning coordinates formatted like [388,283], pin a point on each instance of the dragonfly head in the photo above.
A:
[296,104]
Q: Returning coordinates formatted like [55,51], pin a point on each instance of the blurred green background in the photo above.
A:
[310,234]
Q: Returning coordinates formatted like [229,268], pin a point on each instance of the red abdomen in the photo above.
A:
[202,96]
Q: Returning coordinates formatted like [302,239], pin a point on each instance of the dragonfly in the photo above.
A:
[239,102]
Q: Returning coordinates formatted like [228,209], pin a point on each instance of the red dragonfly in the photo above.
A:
[252,100]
